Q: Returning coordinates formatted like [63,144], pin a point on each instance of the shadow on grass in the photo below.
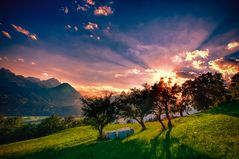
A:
[166,147]
[231,109]
[162,146]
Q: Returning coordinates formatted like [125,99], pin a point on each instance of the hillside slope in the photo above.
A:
[213,134]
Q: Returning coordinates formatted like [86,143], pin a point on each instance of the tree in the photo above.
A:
[99,111]
[234,87]
[50,125]
[136,104]
[186,97]
[158,106]
[208,90]
[165,97]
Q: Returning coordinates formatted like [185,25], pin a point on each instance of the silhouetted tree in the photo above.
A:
[158,106]
[136,104]
[165,98]
[185,99]
[208,90]
[99,111]
[234,87]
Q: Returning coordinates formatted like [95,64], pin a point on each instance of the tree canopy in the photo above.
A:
[99,111]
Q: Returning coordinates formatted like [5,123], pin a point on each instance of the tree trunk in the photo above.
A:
[142,125]
[100,129]
[159,118]
[161,122]
[181,112]
[168,116]
[141,122]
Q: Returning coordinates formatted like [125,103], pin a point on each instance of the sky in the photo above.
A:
[98,45]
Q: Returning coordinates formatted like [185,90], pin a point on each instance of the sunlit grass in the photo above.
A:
[206,135]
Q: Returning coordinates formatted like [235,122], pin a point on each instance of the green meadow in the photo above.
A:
[211,134]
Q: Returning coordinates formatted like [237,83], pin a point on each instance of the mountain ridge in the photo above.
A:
[31,96]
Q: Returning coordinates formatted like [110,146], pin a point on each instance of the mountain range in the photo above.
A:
[21,95]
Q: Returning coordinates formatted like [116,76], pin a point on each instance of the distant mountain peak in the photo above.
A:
[31,96]
[49,83]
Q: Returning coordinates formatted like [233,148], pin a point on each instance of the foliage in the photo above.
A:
[12,128]
[99,111]
[165,98]
[208,90]
[136,104]
[203,135]
[234,87]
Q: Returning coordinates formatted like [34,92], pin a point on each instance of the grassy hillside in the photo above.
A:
[212,134]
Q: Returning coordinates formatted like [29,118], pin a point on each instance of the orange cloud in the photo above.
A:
[232,45]
[103,10]
[197,53]
[25,32]
[90,2]
[98,89]
[91,26]
[6,34]
[198,65]
[33,36]
[224,67]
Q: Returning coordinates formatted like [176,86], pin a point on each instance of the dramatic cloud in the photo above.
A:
[6,34]
[91,26]
[198,65]
[90,2]
[103,10]
[197,53]
[25,32]
[185,74]
[223,66]
[232,45]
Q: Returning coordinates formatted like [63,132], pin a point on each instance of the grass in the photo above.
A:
[212,134]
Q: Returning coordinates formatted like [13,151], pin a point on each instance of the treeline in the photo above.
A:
[204,92]
[12,129]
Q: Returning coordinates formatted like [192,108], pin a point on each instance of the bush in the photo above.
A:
[12,128]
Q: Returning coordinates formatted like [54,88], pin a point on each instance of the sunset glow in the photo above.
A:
[113,45]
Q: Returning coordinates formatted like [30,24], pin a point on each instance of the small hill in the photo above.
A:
[32,96]
[212,134]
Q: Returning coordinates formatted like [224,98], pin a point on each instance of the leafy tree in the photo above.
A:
[185,99]
[136,104]
[208,90]
[165,98]
[7,128]
[158,106]
[99,111]
[234,87]
[50,125]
